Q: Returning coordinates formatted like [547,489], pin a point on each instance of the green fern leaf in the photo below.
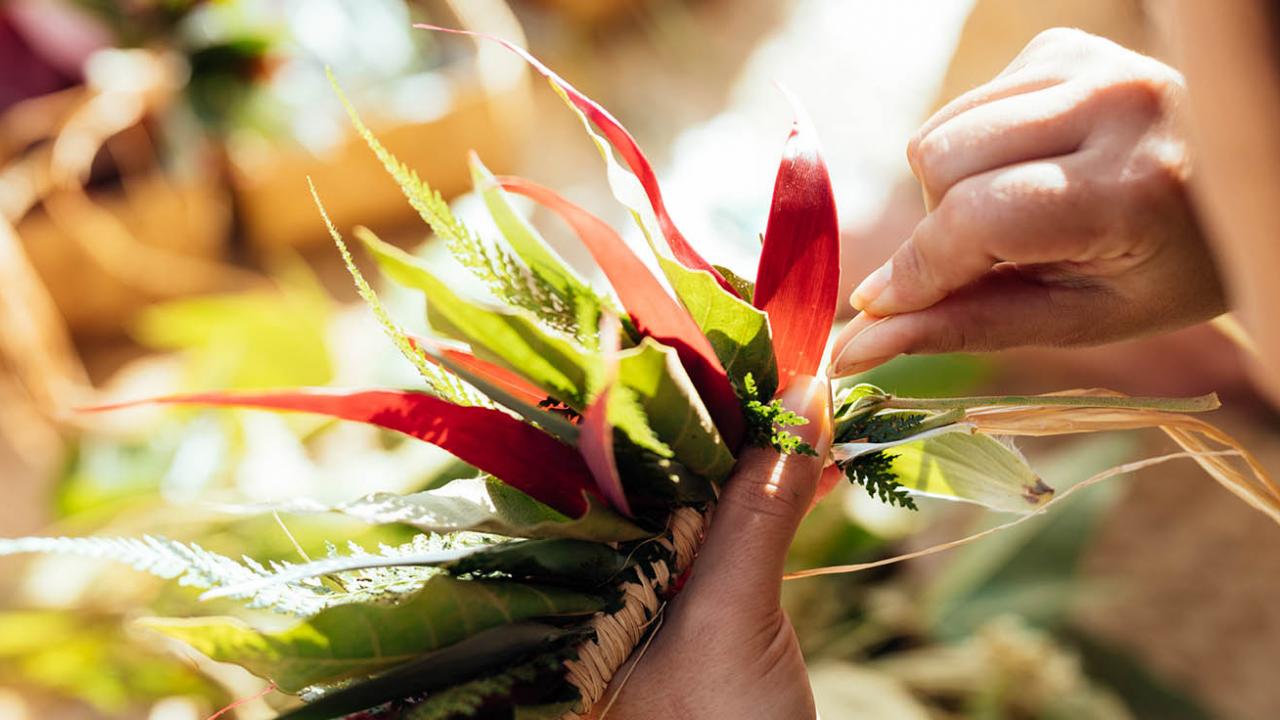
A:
[506,276]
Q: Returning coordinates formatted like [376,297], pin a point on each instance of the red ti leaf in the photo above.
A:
[519,454]
[596,442]
[798,280]
[626,145]
[654,312]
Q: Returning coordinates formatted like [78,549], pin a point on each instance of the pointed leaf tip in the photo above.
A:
[623,142]
[654,312]
[798,280]
[517,453]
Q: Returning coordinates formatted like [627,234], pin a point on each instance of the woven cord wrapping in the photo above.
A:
[617,634]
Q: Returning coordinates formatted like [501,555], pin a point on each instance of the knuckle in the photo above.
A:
[1057,37]
[926,157]
[757,496]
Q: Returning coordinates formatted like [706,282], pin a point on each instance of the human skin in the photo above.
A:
[1058,215]
[726,649]
[1228,54]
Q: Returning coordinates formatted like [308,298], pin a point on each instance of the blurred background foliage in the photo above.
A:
[156,236]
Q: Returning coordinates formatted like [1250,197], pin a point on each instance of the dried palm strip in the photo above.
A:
[1045,415]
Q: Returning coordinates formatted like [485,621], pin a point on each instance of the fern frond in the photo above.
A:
[874,472]
[189,563]
[278,586]
[440,381]
[506,276]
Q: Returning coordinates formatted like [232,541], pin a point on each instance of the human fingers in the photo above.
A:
[1043,211]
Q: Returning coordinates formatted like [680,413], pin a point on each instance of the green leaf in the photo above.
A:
[970,466]
[746,289]
[1029,570]
[505,275]
[481,504]
[527,243]
[671,405]
[575,563]
[541,676]
[487,651]
[552,363]
[354,640]
[738,332]
[557,561]
[440,381]
[553,711]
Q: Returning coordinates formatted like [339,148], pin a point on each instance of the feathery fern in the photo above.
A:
[506,276]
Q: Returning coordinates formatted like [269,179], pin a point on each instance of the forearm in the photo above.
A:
[1228,54]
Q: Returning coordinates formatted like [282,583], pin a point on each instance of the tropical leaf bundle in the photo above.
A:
[602,426]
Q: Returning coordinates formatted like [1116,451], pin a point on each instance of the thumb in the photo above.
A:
[763,503]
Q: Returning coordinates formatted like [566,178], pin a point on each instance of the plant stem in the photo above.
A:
[1203,403]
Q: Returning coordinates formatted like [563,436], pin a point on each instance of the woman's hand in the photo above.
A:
[1058,215]
[725,648]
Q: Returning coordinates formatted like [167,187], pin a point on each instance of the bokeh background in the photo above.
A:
[156,234]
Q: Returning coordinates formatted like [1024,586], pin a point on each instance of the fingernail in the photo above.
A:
[860,353]
[810,397]
[871,287]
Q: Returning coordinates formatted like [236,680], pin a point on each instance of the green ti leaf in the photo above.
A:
[468,699]
[670,405]
[481,504]
[573,295]
[509,279]
[575,563]
[486,653]
[362,639]
[555,364]
[739,333]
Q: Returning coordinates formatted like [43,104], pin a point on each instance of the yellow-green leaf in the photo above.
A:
[675,413]
[554,364]
[970,466]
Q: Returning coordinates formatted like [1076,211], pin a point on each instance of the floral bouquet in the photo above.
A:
[602,425]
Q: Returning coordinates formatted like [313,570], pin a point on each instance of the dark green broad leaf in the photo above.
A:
[656,483]
[575,563]
[481,504]
[514,340]
[533,682]
[553,711]
[673,409]
[362,639]
[557,561]
[739,333]
[490,650]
